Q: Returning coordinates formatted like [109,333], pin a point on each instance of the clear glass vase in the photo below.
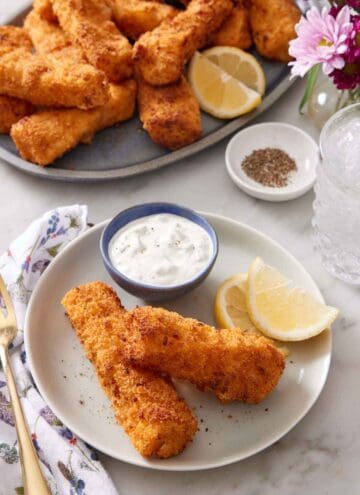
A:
[326,100]
[336,220]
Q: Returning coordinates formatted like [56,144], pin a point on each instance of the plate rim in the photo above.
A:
[144,462]
[66,175]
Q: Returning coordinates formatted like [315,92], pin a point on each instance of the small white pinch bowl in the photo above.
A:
[295,142]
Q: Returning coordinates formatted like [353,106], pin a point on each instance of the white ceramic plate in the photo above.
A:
[227,433]
[294,141]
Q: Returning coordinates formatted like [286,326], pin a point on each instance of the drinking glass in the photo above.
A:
[336,218]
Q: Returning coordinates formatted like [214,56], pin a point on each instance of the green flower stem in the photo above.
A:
[311,79]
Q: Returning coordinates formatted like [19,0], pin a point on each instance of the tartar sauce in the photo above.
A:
[161,250]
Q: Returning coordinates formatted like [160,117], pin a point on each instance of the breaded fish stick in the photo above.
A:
[157,420]
[135,17]
[44,8]
[235,366]
[48,37]
[49,134]
[88,24]
[235,30]
[160,55]
[170,114]
[42,80]
[273,27]
[11,111]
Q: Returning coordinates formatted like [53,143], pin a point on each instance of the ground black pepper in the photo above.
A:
[269,166]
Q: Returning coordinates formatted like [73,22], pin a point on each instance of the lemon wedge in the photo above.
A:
[239,64]
[230,304]
[230,309]
[282,311]
[218,93]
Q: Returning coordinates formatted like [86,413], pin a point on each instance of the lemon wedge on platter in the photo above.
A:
[219,93]
[239,64]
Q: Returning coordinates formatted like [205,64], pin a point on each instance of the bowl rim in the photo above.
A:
[160,204]
[263,192]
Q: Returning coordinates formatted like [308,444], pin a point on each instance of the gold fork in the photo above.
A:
[34,482]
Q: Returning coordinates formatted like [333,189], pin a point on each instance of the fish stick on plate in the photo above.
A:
[273,27]
[41,80]
[160,55]
[232,364]
[136,17]
[48,134]
[11,111]
[235,31]
[146,405]
[170,114]
[88,24]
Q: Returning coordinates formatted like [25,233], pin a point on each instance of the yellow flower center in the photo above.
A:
[325,42]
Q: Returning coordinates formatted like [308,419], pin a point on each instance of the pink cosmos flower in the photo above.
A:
[322,39]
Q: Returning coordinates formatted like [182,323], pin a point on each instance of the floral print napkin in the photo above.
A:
[70,466]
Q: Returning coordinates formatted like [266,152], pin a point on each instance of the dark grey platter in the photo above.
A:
[126,150]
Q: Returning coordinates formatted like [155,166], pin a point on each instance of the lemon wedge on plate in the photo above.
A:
[239,64]
[219,93]
[230,304]
[282,311]
[230,308]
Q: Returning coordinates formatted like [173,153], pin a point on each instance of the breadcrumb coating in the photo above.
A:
[273,27]
[88,24]
[160,55]
[11,111]
[170,114]
[147,406]
[235,30]
[48,134]
[232,364]
[42,80]
[136,17]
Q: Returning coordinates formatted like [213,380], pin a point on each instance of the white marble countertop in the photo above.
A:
[321,455]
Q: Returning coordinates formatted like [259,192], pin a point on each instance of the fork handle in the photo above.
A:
[34,481]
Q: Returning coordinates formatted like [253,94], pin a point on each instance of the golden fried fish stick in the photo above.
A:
[235,31]
[160,55]
[49,134]
[11,111]
[232,364]
[13,38]
[41,80]
[157,420]
[49,39]
[88,24]
[44,8]
[135,17]
[273,27]
[170,114]
[46,36]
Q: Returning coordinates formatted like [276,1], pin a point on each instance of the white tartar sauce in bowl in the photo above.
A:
[161,250]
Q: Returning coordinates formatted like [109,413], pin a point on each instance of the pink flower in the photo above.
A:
[322,39]
[349,76]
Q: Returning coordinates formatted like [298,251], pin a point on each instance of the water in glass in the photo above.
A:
[336,218]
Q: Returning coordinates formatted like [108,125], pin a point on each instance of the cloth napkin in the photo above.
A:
[69,465]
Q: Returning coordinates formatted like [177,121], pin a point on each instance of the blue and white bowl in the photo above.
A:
[146,291]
